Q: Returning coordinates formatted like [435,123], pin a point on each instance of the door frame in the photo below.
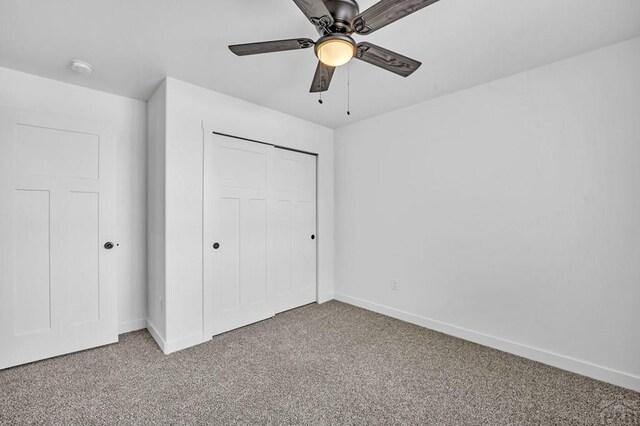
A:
[208,130]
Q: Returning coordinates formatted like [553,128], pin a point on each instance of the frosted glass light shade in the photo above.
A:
[335,52]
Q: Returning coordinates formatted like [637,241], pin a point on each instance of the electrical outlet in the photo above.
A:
[394,285]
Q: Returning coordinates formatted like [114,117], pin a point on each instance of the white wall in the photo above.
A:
[187,108]
[509,213]
[128,117]
[156,170]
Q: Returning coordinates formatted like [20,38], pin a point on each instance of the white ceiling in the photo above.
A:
[134,44]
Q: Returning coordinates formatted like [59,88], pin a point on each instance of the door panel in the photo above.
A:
[243,168]
[83,246]
[32,293]
[57,185]
[229,256]
[43,151]
[236,205]
[295,251]
[282,247]
[254,254]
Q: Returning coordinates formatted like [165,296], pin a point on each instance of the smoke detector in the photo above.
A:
[81,67]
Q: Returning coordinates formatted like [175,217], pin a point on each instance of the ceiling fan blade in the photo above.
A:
[386,12]
[386,59]
[271,46]
[316,11]
[322,78]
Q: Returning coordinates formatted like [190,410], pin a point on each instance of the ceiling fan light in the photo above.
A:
[335,51]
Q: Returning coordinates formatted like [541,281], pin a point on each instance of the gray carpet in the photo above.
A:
[327,364]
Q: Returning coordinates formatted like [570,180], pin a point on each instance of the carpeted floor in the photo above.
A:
[327,364]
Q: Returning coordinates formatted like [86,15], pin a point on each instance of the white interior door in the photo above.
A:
[57,183]
[294,218]
[237,180]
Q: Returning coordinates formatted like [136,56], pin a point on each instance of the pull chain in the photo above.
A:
[320,58]
[320,100]
[348,88]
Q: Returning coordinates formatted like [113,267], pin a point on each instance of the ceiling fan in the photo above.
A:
[336,21]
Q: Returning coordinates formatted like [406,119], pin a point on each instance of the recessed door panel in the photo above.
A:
[229,255]
[282,247]
[31,244]
[254,280]
[42,151]
[243,168]
[84,248]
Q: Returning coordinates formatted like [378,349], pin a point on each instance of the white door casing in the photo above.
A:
[57,192]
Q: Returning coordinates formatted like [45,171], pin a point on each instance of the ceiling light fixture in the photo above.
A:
[335,50]
[336,21]
[81,67]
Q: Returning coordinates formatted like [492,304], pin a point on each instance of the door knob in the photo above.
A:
[108,245]
[313,237]
[216,246]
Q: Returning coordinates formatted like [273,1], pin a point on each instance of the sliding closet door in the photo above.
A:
[294,219]
[57,287]
[237,178]
[259,232]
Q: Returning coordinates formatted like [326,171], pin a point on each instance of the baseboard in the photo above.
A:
[182,343]
[156,336]
[172,346]
[584,368]
[128,326]
[323,298]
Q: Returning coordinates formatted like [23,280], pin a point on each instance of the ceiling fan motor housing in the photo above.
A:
[343,12]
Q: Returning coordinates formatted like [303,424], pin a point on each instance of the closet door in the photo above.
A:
[237,180]
[57,187]
[294,219]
